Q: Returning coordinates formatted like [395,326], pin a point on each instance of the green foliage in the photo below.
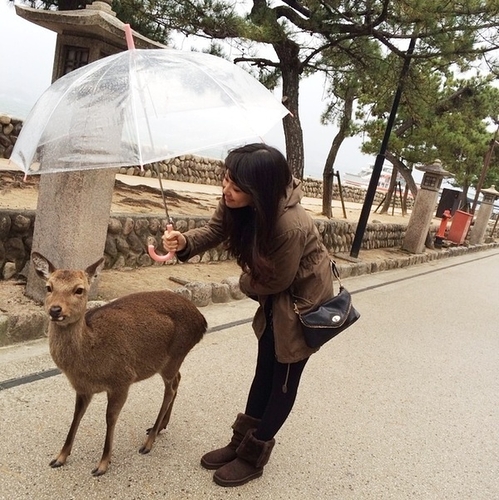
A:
[438,117]
[141,15]
[57,4]
[360,47]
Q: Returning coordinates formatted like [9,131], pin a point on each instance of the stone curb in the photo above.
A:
[16,328]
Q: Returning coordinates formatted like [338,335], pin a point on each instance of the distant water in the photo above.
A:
[15,107]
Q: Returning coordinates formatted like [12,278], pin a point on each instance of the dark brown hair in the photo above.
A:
[262,172]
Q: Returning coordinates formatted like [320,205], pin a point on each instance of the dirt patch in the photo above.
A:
[19,193]
[114,284]
[117,283]
[140,198]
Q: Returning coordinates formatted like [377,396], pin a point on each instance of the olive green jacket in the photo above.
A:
[303,272]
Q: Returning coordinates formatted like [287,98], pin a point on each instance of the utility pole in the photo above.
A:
[378,165]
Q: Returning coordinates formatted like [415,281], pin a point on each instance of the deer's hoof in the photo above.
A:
[98,472]
[56,463]
[144,450]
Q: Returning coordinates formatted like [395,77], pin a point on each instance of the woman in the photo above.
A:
[262,224]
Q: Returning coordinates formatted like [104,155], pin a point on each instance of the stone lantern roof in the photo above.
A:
[491,191]
[435,168]
[97,21]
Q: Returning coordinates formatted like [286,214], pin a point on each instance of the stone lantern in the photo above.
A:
[479,228]
[83,35]
[424,207]
[73,208]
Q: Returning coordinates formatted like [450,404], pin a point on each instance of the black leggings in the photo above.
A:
[274,388]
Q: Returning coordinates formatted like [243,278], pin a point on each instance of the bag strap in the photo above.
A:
[336,273]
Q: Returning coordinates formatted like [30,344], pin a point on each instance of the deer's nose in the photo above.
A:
[55,311]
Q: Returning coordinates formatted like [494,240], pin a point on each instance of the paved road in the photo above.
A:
[402,406]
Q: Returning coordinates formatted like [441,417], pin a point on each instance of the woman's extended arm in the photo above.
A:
[197,240]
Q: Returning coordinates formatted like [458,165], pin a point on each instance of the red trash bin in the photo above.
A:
[459,228]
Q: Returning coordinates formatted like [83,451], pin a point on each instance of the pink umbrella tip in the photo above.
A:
[129,37]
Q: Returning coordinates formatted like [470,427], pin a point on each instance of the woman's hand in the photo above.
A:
[173,241]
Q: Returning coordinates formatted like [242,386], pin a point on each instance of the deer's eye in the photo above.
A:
[48,288]
[79,291]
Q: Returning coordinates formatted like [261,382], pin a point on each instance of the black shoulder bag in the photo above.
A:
[330,318]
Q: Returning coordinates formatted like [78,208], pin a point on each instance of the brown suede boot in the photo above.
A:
[217,458]
[252,456]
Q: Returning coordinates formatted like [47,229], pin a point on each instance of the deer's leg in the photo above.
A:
[171,386]
[81,405]
[115,401]
[166,418]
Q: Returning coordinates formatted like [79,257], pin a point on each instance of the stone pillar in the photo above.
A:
[483,216]
[71,222]
[424,207]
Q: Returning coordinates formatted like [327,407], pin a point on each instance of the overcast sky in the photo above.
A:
[26,59]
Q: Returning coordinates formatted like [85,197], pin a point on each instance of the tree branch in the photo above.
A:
[257,61]
[298,7]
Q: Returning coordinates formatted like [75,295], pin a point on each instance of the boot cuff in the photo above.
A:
[254,451]
[244,422]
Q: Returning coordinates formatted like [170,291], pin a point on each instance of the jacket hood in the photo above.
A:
[293,196]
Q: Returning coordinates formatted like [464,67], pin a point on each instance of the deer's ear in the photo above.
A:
[94,270]
[43,267]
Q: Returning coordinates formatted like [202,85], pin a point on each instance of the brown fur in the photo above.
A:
[111,347]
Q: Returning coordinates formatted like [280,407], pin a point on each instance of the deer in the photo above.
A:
[108,348]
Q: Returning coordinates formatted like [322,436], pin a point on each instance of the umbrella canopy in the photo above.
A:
[142,106]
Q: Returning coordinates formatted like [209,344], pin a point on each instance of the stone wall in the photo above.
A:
[9,130]
[128,237]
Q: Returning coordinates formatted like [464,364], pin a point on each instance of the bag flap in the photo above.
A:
[330,314]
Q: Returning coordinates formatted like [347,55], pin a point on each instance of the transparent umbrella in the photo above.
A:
[142,106]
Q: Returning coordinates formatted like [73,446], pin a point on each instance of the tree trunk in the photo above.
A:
[290,66]
[466,205]
[404,200]
[328,173]
[327,192]
[405,172]
[390,193]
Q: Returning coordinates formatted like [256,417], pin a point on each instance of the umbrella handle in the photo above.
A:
[161,258]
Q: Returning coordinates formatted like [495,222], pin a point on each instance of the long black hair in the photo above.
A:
[262,172]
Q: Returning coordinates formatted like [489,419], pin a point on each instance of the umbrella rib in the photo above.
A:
[131,79]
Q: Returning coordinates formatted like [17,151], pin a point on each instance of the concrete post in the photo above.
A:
[424,207]
[479,228]
[73,208]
